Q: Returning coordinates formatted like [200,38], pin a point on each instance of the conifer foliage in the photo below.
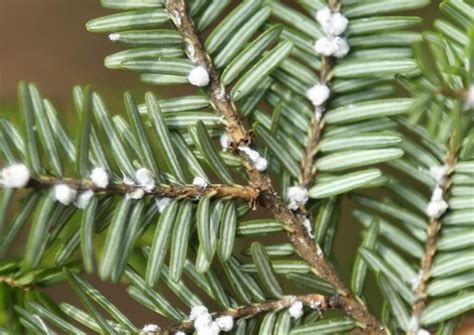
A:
[219,207]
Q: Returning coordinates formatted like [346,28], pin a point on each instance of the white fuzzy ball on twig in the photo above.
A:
[83,199]
[296,310]
[99,177]
[162,203]
[200,182]
[297,197]
[199,76]
[15,176]
[145,179]
[318,94]
[64,194]
[225,323]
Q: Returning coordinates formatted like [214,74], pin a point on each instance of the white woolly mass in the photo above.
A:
[414,327]
[225,323]
[145,179]
[114,37]
[325,46]
[83,199]
[136,194]
[260,163]
[99,177]
[423,331]
[212,329]
[200,182]
[197,311]
[203,321]
[199,76]
[436,209]
[64,194]
[151,328]
[307,226]
[332,46]
[470,98]
[336,25]
[162,203]
[225,141]
[438,173]
[296,310]
[323,16]
[318,94]
[179,332]
[342,47]
[15,176]
[416,281]
[437,205]
[297,196]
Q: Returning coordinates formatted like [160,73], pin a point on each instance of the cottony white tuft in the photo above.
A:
[297,196]
[64,194]
[114,37]
[151,328]
[470,98]
[437,208]
[203,321]
[439,172]
[136,194]
[162,203]
[200,182]
[260,163]
[225,141]
[225,323]
[145,179]
[325,46]
[422,331]
[179,332]
[15,176]
[197,310]
[296,310]
[212,329]
[83,199]
[199,76]
[99,177]
[342,48]
[323,16]
[318,94]
[336,25]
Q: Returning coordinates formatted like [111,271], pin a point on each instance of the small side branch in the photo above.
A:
[312,301]
[244,193]
[432,240]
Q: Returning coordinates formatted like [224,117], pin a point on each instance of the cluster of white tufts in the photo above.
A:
[199,76]
[260,163]
[99,177]
[297,197]
[200,182]
[205,325]
[64,194]
[333,25]
[296,310]
[437,205]
[150,329]
[14,176]
[414,327]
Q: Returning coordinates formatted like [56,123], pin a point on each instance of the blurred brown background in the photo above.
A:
[45,41]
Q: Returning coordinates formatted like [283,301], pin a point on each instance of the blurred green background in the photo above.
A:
[44,41]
